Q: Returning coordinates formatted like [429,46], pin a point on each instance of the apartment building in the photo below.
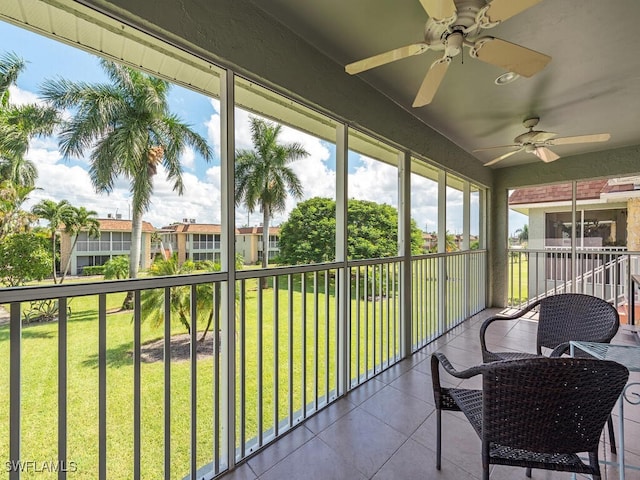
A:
[114,240]
[190,240]
[249,243]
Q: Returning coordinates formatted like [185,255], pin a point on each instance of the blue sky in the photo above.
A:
[68,178]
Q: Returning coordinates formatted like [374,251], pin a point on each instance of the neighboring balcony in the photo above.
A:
[603,272]
[97,246]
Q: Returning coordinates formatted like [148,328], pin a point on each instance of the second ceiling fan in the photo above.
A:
[454,24]
[537,141]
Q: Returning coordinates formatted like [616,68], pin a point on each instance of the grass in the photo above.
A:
[40,370]
[518,278]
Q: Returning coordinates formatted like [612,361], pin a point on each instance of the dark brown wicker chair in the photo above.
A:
[562,317]
[535,413]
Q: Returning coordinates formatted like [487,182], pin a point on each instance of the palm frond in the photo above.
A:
[10,67]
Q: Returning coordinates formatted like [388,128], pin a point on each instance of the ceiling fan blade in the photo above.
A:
[439,9]
[598,137]
[544,154]
[431,82]
[511,57]
[386,57]
[501,10]
[497,146]
[502,157]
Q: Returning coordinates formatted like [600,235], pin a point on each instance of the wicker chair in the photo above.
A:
[534,413]
[562,317]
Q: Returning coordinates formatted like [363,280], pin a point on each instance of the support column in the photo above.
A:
[442,248]
[343,292]
[466,234]
[228,242]
[633,224]
[404,250]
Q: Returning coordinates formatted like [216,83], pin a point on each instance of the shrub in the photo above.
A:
[93,270]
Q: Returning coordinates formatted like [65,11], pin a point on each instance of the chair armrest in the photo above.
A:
[490,320]
[560,350]
[438,359]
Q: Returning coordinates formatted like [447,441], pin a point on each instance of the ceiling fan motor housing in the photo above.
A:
[438,34]
[454,44]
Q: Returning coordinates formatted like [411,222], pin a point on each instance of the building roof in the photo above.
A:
[257,230]
[194,228]
[118,225]
[587,190]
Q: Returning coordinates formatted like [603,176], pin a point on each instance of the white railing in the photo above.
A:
[605,273]
[440,306]
[307,337]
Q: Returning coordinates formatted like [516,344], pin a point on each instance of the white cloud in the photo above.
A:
[188,158]
[375,181]
[213,127]
[17,96]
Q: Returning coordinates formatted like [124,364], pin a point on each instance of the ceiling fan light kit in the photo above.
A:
[506,78]
[453,25]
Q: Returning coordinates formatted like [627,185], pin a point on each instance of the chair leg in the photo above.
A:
[486,464]
[612,437]
[528,473]
[595,464]
[438,437]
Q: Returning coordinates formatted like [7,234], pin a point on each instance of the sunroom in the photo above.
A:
[321,369]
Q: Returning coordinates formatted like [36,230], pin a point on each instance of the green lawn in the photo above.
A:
[39,379]
[518,276]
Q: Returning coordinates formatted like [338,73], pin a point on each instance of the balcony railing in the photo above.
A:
[205,246]
[103,246]
[274,356]
[605,273]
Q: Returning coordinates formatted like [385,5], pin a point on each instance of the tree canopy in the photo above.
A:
[18,125]
[128,130]
[308,236]
[23,257]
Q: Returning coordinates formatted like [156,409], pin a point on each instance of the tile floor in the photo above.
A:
[385,429]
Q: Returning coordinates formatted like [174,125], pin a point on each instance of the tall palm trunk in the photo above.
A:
[53,255]
[265,243]
[134,256]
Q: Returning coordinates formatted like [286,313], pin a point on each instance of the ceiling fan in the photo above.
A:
[454,24]
[537,141]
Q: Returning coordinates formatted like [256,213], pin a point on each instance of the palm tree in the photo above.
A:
[79,220]
[152,303]
[263,176]
[10,67]
[128,129]
[13,219]
[116,268]
[522,234]
[57,214]
[18,125]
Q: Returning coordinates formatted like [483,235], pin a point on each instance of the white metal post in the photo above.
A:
[442,248]
[227,162]
[404,250]
[343,298]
